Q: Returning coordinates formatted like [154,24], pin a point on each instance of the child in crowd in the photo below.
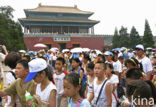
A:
[114,81]
[131,75]
[132,63]
[102,89]
[58,77]
[90,79]
[141,93]
[45,90]
[76,67]
[19,86]
[73,89]
[86,59]
[11,60]
[153,77]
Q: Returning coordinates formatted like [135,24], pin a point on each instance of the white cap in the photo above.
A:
[35,66]
[141,47]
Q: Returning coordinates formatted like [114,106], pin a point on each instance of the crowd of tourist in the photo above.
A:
[119,77]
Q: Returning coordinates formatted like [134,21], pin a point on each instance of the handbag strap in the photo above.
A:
[101,90]
[115,97]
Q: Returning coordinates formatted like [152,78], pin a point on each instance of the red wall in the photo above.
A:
[85,42]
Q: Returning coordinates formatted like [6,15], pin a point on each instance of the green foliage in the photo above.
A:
[135,39]
[10,32]
[148,36]
[124,37]
[115,40]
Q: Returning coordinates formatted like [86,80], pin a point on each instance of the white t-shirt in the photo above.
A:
[10,79]
[102,102]
[45,94]
[146,63]
[114,80]
[119,66]
[58,79]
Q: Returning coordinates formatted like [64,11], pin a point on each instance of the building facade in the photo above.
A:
[61,27]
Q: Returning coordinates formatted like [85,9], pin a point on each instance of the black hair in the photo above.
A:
[86,56]
[111,67]
[134,62]
[139,88]
[48,72]
[121,58]
[61,59]
[74,78]
[102,56]
[102,63]
[153,88]
[76,60]
[27,57]
[134,73]
[90,65]
[24,63]
[11,59]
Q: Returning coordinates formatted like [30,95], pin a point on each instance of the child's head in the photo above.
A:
[90,68]
[86,58]
[109,68]
[59,63]
[154,61]
[140,93]
[11,59]
[38,70]
[75,62]
[131,63]
[73,85]
[99,69]
[108,55]
[22,69]
[133,74]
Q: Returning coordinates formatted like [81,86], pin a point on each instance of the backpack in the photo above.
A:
[84,80]
[13,74]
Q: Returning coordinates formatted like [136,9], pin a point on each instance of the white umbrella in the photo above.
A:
[65,50]
[98,51]
[40,45]
[22,51]
[54,49]
[76,50]
[86,49]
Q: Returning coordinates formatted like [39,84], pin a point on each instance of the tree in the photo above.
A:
[115,39]
[10,32]
[148,36]
[124,37]
[135,39]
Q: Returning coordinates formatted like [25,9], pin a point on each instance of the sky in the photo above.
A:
[111,13]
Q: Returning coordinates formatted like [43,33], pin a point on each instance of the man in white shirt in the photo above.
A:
[145,61]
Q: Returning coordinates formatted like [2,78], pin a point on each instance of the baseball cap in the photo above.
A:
[108,53]
[141,47]
[35,66]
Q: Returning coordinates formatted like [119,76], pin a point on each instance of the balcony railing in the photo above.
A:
[65,34]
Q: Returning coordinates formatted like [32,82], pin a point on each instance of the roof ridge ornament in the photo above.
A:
[39,5]
[75,6]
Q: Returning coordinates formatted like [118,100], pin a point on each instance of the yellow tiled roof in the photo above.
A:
[58,9]
[59,20]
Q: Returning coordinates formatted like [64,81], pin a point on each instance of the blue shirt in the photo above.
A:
[84,103]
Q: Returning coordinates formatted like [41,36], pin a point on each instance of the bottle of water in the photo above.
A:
[29,97]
